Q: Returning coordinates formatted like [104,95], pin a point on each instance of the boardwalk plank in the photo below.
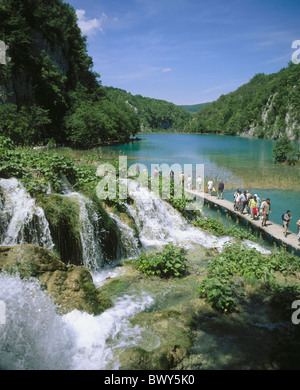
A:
[272,229]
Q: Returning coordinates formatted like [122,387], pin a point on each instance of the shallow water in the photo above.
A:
[236,160]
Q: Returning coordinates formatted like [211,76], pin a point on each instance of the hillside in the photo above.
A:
[154,114]
[266,107]
[194,107]
[48,90]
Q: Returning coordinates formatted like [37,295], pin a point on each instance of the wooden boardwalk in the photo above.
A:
[273,232]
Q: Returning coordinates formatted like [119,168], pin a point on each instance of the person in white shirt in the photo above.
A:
[210,186]
[189,183]
[199,183]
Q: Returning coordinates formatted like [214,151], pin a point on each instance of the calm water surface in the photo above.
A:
[244,163]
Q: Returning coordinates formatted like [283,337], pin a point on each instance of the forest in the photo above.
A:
[49,91]
[154,114]
[266,107]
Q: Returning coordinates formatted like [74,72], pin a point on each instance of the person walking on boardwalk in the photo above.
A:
[286,221]
[298,224]
[210,186]
[253,206]
[220,189]
[235,197]
[199,183]
[189,182]
[242,200]
[258,203]
[181,178]
[265,209]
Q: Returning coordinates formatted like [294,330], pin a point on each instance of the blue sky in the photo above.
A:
[187,51]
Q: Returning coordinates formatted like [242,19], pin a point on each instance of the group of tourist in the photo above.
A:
[253,206]
[243,201]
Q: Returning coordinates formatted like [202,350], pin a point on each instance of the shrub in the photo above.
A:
[238,260]
[218,229]
[170,262]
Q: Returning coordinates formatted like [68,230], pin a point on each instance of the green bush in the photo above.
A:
[211,225]
[218,229]
[239,260]
[170,262]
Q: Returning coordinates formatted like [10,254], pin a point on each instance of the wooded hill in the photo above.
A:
[50,93]
[154,114]
[266,107]
[194,107]
[48,90]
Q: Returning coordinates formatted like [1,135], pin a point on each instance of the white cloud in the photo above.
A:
[164,70]
[89,26]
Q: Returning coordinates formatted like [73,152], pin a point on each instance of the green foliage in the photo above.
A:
[94,123]
[25,126]
[36,168]
[284,150]
[170,262]
[6,143]
[218,229]
[211,225]
[195,107]
[220,288]
[154,114]
[219,292]
[263,104]
[50,90]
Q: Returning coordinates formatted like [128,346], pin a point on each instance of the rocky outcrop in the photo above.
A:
[174,331]
[71,287]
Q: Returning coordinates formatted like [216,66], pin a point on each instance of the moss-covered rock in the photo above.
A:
[71,287]
[173,330]
[62,213]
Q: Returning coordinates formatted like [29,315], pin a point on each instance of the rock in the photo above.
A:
[71,287]
[174,331]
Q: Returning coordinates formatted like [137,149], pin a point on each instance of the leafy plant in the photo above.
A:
[238,260]
[218,229]
[170,262]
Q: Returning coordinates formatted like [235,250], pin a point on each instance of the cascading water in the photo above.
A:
[21,220]
[129,242]
[159,223]
[92,256]
[89,233]
[35,337]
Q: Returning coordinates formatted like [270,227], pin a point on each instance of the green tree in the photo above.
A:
[283,150]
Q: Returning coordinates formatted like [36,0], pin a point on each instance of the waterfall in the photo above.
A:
[129,243]
[98,337]
[159,223]
[21,220]
[92,255]
[35,337]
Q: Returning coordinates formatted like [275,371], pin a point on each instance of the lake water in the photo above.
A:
[244,163]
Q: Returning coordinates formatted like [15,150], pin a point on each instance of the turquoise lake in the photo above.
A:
[244,163]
